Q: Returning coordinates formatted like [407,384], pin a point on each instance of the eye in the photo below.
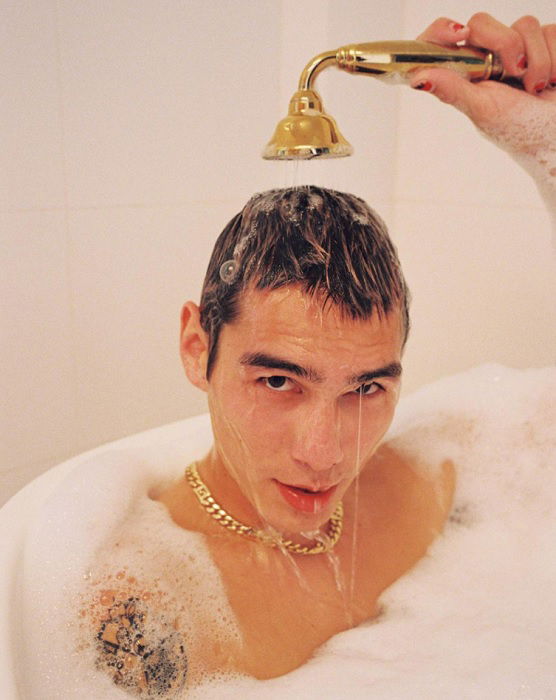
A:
[277,383]
[368,389]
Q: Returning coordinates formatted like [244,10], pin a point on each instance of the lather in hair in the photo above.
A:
[331,243]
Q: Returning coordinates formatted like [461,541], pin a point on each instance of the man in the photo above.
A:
[298,343]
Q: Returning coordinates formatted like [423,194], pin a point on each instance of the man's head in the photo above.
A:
[298,343]
[331,243]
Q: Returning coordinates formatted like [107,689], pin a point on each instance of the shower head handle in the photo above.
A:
[398,59]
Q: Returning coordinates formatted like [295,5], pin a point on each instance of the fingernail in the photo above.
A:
[522,62]
[425,85]
[456,26]
[540,86]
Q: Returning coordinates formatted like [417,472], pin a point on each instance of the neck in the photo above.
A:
[226,491]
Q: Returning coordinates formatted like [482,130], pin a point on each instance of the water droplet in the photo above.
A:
[228,271]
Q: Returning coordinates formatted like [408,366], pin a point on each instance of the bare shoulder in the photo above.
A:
[417,465]
[419,489]
[181,504]
[408,505]
[136,639]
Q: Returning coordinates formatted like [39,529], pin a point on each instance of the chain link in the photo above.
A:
[223,518]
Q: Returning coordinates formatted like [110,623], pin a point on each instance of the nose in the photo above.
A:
[318,435]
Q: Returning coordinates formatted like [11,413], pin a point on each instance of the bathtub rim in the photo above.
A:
[16,516]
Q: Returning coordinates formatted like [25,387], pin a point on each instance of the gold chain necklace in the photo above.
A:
[201,490]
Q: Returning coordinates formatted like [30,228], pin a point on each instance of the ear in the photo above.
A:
[194,346]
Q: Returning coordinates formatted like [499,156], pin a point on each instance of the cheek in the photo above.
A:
[362,430]
[243,417]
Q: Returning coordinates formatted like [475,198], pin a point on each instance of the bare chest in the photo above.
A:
[284,618]
[287,606]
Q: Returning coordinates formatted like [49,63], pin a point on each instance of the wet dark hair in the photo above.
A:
[331,243]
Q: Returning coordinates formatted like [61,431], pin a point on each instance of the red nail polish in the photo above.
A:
[522,62]
[456,27]
[540,86]
[425,85]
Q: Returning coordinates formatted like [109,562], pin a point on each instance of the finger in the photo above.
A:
[488,33]
[445,31]
[538,58]
[549,31]
[449,87]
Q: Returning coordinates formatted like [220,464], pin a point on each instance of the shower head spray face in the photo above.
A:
[307,132]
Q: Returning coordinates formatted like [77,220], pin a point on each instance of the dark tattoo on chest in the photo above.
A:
[135,660]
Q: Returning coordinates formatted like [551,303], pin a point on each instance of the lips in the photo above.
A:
[305,500]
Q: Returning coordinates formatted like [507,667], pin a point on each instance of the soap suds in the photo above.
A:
[528,134]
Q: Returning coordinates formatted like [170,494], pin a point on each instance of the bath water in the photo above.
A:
[291,172]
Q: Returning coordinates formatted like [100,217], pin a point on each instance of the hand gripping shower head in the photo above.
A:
[308,132]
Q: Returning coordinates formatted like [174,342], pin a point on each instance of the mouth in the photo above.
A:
[305,499]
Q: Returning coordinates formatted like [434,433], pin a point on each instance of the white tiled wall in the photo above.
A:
[471,229]
[32,172]
[37,350]
[483,285]
[131,134]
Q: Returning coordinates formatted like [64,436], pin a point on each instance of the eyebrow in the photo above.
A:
[394,369]
[261,359]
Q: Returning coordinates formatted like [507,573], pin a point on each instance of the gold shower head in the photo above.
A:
[308,132]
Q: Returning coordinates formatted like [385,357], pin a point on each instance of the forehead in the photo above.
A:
[294,323]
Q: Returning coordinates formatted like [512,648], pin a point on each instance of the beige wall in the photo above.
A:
[131,133]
